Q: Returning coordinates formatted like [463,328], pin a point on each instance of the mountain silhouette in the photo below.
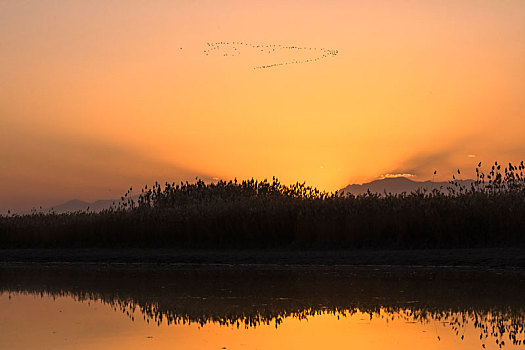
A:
[398,185]
[395,185]
[78,205]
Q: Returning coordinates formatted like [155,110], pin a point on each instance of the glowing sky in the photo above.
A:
[96,96]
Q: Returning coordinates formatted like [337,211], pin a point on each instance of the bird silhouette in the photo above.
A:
[231,49]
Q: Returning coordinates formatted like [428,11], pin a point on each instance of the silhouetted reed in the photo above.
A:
[263,214]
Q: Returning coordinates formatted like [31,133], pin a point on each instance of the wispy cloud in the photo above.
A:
[45,171]
[424,165]
[395,175]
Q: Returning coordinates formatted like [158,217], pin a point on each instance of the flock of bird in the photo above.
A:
[225,48]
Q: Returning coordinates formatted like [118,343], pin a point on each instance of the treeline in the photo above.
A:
[267,214]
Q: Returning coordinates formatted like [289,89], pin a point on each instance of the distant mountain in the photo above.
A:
[395,185]
[399,185]
[78,205]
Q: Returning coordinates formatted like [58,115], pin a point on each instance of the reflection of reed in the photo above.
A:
[493,303]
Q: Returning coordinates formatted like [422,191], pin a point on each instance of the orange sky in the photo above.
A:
[96,96]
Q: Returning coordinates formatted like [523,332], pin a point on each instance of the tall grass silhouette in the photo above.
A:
[267,214]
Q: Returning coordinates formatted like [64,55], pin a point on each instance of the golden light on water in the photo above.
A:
[96,96]
[63,323]
[116,306]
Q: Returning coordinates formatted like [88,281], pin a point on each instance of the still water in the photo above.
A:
[222,307]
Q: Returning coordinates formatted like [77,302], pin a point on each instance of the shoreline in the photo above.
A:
[483,257]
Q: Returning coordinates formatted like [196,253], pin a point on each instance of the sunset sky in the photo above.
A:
[97,96]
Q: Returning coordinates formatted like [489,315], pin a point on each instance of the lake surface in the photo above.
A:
[258,307]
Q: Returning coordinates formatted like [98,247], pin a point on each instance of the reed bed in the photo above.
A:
[255,214]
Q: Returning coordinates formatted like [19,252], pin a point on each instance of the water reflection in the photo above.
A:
[491,302]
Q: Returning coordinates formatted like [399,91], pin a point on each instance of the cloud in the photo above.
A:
[42,170]
[463,154]
[395,175]
[424,165]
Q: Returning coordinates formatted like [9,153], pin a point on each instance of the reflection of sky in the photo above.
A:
[98,96]
[30,322]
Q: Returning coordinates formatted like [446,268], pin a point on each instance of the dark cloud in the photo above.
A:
[445,160]
[45,171]
[424,165]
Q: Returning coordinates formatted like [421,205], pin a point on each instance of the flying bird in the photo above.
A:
[275,49]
